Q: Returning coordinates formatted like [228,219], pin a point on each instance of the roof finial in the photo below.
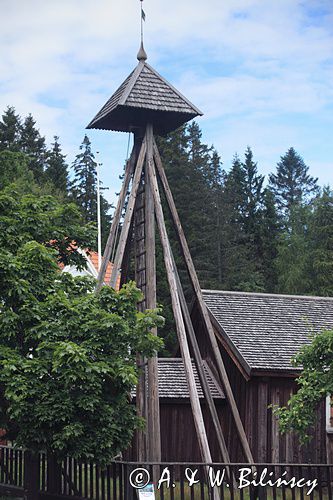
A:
[142,55]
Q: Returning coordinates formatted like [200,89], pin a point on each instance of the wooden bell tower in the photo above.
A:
[147,105]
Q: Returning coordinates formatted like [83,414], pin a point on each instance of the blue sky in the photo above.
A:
[260,71]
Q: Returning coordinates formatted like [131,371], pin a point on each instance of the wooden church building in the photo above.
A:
[258,335]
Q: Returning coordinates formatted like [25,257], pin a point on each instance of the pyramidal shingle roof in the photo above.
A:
[145,96]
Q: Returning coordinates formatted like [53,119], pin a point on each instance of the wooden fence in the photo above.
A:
[42,478]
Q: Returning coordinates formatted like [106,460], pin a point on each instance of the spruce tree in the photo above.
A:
[33,145]
[215,179]
[235,251]
[242,198]
[321,244]
[270,228]
[292,262]
[10,130]
[254,193]
[292,185]
[201,208]
[56,168]
[84,187]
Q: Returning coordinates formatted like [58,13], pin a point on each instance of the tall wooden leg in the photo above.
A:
[153,407]
[194,398]
[140,278]
[128,216]
[200,368]
[202,307]
[116,219]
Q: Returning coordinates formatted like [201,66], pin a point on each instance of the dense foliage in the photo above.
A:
[67,356]
[45,170]
[315,382]
[245,232]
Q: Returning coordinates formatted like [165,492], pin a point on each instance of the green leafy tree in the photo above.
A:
[291,184]
[315,382]
[10,130]
[45,220]
[56,167]
[67,356]
[33,145]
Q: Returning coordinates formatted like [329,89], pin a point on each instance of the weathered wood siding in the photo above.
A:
[253,398]
[179,442]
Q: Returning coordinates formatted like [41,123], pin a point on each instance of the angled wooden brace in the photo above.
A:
[116,219]
[128,216]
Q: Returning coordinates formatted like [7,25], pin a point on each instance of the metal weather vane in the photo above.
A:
[143,18]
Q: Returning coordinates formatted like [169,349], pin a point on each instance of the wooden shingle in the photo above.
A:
[172,380]
[145,97]
[265,331]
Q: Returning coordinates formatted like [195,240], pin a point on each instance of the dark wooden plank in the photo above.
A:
[108,482]
[91,480]
[10,490]
[275,450]
[115,471]
[262,421]
[31,476]
[43,471]
[97,483]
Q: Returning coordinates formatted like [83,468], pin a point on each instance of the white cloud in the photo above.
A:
[253,67]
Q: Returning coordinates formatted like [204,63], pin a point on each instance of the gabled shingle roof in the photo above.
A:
[265,331]
[145,96]
[172,380]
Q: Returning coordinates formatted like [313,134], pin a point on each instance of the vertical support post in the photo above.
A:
[31,475]
[153,408]
[140,279]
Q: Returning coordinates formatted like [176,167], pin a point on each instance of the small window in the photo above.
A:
[329,414]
